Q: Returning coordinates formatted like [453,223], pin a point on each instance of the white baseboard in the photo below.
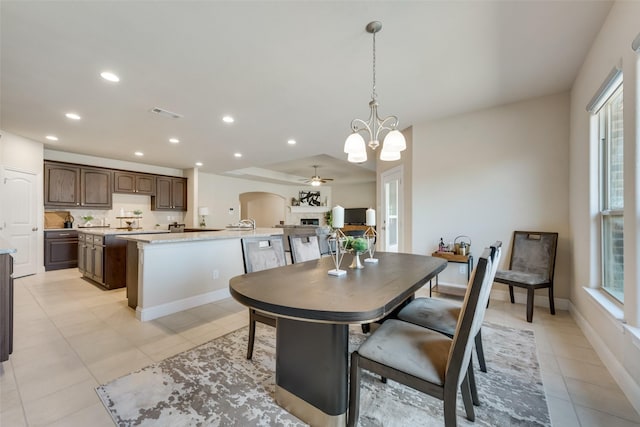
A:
[629,387]
[150,313]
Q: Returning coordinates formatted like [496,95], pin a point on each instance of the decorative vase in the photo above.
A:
[356,261]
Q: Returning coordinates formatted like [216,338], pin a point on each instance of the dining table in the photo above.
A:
[314,310]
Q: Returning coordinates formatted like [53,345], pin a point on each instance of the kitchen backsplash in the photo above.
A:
[128,203]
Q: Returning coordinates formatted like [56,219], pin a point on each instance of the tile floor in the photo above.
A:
[71,336]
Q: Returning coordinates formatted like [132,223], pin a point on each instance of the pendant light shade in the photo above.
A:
[394,141]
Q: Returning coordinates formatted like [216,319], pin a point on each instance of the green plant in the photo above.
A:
[87,217]
[137,212]
[328,217]
[358,244]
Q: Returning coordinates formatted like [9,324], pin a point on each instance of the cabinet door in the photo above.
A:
[95,185]
[145,184]
[124,182]
[81,256]
[61,252]
[61,185]
[163,194]
[179,194]
[98,263]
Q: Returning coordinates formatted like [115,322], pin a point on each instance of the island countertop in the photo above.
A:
[115,231]
[198,236]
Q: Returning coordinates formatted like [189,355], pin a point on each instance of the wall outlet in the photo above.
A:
[216,274]
[462,269]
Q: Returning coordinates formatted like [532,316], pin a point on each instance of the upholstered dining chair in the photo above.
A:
[425,360]
[531,266]
[441,315]
[304,248]
[261,253]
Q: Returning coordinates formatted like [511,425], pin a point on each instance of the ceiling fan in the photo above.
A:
[315,180]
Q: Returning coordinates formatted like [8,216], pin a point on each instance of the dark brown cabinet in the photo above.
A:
[171,194]
[131,182]
[6,306]
[103,259]
[60,249]
[69,186]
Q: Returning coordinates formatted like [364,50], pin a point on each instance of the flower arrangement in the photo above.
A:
[357,244]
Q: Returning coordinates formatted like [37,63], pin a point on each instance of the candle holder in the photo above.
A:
[336,239]
[371,236]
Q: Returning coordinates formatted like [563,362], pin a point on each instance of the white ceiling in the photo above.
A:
[283,69]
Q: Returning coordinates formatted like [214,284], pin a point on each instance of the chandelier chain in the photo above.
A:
[373,92]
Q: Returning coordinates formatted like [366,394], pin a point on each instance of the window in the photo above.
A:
[610,134]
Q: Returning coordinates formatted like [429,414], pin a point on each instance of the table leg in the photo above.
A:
[312,371]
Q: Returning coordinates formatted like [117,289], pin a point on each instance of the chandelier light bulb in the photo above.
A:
[354,143]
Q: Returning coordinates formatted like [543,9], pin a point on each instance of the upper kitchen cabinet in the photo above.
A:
[70,186]
[171,194]
[131,182]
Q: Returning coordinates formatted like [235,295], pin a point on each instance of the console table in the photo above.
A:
[459,259]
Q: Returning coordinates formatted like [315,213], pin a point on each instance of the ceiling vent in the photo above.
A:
[165,113]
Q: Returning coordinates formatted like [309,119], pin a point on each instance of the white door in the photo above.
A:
[392,208]
[20,226]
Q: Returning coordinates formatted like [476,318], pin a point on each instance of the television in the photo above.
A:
[355,216]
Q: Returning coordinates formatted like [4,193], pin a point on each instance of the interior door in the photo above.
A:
[392,205]
[19,220]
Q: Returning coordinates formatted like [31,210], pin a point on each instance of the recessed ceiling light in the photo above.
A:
[72,116]
[198,164]
[237,155]
[174,140]
[108,75]
[228,119]
[291,142]
[139,153]
[51,137]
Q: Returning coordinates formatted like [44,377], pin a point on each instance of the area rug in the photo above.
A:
[214,385]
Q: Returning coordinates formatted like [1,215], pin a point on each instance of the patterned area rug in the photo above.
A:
[214,385]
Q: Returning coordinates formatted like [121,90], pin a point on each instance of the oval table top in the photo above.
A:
[306,291]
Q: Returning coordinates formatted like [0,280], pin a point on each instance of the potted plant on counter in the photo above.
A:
[87,220]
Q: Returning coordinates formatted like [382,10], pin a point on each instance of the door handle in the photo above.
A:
[34,229]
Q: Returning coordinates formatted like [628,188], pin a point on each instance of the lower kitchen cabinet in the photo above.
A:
[60,249]
[102,259]
[6,306]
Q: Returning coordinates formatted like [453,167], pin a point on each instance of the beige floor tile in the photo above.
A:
[562,413]
[99,344]
[165,347]
[554,385]
[118,364]
[13,417]
[567,351]
[179,322]
[592,418]
[586,372]
[50,408]
[604,399]
[94,416]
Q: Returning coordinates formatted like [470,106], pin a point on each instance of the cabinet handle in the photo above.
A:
[63,234]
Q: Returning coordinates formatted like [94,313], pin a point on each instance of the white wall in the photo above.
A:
[355,195]
[221,194]
[487,173]
[616,345]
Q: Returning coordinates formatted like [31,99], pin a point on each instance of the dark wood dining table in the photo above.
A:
[314,311]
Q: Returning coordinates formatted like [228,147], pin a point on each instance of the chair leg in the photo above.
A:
[480,351]
[472,384]
[511,294]
[366,327]
[354,391]
[552,306]
[530,294]
[252,334]
[466,399]
[450,403]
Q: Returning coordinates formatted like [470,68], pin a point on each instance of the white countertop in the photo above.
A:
[198,236]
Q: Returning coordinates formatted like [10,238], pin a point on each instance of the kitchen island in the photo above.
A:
[168,273]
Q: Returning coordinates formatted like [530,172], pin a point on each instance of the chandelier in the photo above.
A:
[374,127]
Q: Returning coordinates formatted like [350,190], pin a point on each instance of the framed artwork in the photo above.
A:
[310,198]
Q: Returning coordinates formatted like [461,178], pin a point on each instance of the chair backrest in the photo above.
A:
[470,319]
[534,252]
[304,248]
[262,253]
